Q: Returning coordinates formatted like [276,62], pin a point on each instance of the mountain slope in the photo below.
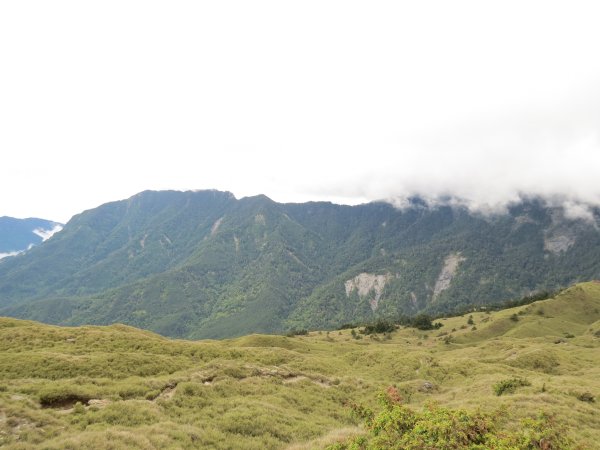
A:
[138,390]
[18,235]
[204,264]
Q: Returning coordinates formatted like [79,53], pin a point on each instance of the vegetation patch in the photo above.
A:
[539,360]
[509,386]
[586,397]
[396,426]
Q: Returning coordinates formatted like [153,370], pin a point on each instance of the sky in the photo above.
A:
[346,101]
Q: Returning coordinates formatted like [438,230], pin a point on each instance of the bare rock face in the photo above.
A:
[368,285]
[448,272]
[216,226]
[561,234]
[558,242]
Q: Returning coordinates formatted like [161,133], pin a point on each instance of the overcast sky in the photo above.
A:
[315,100]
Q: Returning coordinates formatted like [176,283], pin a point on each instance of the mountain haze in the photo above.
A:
[205,264]
[18,235]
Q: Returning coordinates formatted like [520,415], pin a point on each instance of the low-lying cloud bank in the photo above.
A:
[571,209]
[44,234]
[551,152]
[5,255]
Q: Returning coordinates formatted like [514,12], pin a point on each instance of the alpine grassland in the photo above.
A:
[481,380]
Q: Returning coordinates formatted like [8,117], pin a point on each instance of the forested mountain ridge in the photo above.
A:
[205,264]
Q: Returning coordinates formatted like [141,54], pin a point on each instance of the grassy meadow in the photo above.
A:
[118,387]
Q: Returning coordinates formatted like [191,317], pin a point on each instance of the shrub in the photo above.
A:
[514,318]
[294,332]
[399,427]
[380,326]
[586,397]
[422,322]
[509,386]
[78,408]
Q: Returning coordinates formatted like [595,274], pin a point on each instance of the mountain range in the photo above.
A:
[203,264]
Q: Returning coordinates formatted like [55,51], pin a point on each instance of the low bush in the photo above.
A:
[380,326]
[586,397]
[509,386]
[398,427]
[294,332]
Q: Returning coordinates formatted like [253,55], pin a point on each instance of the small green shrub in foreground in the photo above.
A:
[509,386]
[399,427]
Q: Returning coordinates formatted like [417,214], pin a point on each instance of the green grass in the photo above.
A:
[122,388]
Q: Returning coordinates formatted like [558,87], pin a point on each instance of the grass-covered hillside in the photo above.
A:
[207,265]
[122,388]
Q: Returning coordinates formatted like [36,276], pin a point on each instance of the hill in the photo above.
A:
[122,388]
[207,265]
[18,235]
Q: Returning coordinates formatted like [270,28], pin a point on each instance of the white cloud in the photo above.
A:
[578,211]
[5,255]
[47,234]
[339,100]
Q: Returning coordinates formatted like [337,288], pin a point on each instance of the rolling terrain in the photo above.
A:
[123,388]
[207,265]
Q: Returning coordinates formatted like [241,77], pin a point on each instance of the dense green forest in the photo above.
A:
[205,264]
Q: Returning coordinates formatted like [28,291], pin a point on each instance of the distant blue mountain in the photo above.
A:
[18,235]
